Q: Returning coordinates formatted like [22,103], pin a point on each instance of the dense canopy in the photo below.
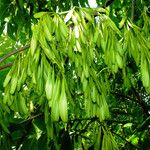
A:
[74,76]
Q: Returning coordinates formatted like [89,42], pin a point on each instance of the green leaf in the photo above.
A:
[40,14]
[127,125]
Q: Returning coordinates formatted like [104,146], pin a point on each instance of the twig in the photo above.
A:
[6,66]
[13,52]
[31,118]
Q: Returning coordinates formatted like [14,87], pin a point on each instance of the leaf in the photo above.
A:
[112,25]
[55,110]
[55,100]
[98,139]
[127,125]
[63,108]
[68,16]
[101,10]
[22,104]
[8,78]
[21,4]
[134,139]
[62,28]
[47,28]
[145,71]
[39,14]
[88,14]
[76,31]
[119,60]
[49,86]
[14,81]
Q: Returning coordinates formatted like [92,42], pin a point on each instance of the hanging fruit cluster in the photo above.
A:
[84,43]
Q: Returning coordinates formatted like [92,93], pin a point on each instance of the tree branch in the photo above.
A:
[13,52]
[137,100]
[123,96]
[125,140]
[6,66]
[82,119]
[133,10]
[31,118]
[119,121]
[141,102]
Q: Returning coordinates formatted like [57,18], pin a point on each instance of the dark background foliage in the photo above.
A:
[128,102]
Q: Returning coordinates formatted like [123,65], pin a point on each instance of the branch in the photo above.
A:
[133,10]
[136,100]
[141,102]
[14,52]
[31,118]
[119,121]
[123,96]
[6,66]
[82,119]
[125,140]
[97,119]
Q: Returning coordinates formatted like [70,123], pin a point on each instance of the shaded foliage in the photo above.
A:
[97,50]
